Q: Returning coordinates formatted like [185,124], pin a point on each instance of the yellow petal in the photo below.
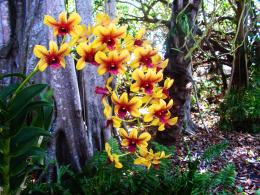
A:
[53,47]
[124,98]
[133,134]
[42,65]
[125,142]
[107,147]
[100,57]
[74,19]
[148,117]
[49,21]
[116,122]
[140,33]
[80,49]
[135,87]
[101,69]
[62,63]
[64,50]
[173,121]
[139,161]
[81,64]
[40,51]
[161,127]
[63,17]
[114,98]
[123,133]
[135,112]
[145,136]
[107,109]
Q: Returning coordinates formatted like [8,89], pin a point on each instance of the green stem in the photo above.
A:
[26,80]
[6,167]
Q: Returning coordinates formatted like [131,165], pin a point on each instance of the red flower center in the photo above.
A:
[122,111]
[110,42]
[148,87]
[138,42]
[63,30]
[132,145]
[90,58]
[147,61]
[112,68]
[161,114]
[53,61]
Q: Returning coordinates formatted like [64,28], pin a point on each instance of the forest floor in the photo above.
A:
[243,151]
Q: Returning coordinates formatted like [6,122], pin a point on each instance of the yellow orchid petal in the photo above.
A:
[123,133]
[81,64]
[173,121]
[49,21]
[145,136]
[116,122]
[74,19]
[125,142]
[140,33]
[63,17]
[64,50]
[135,87]
[114,98]
[101,69]
[100,57]
[62,63]
[53,47]
[135,112]
[107,109]
[161,127]
[42,65]
[40,51]
[133,134]
[148,117]
[124,98]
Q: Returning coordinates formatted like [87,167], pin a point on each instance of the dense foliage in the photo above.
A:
[100,177]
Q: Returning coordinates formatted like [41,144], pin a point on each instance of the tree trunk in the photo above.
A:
[239,77]
[21,28]
[91,102]
[179,68]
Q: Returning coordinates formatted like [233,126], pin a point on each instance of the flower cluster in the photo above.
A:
[139,99]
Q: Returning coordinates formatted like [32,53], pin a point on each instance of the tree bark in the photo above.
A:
[21,28]
[239,76]
[91,103]
[179,68]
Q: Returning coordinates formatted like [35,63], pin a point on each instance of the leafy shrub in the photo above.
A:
[24,117]
[100,177]
[240,111]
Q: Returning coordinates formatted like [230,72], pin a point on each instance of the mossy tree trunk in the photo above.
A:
[179,68]
[239,76]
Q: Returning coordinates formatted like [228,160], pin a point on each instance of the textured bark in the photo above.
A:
[179,68]
[239,77]
[69,128]
[110,8]
[91,103]
[21,28]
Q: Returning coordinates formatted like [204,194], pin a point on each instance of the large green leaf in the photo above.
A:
[24,97]
[7,91]
[19,164]
[13,75]
[25,139]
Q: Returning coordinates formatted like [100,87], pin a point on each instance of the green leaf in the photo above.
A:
[25,139]
[13,75]
[7,91]
[24,97]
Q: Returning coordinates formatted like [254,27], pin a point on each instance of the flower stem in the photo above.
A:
[6,167]
[26,80]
